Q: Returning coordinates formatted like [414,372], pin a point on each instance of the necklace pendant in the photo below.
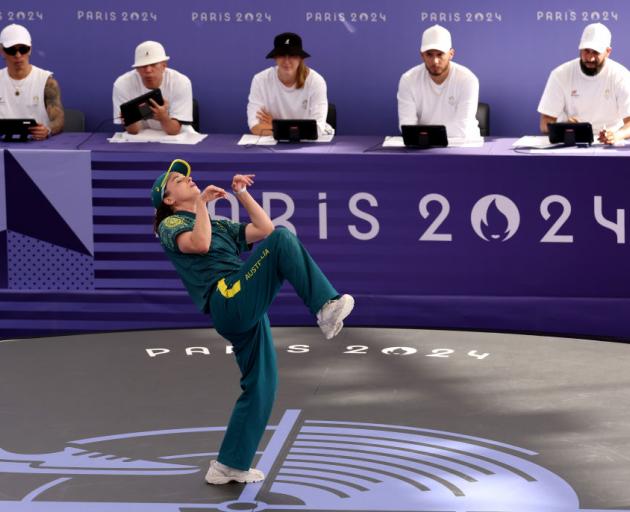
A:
[17,93]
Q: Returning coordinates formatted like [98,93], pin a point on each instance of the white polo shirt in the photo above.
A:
[176,89]
[269,93]
[452,103]
[29,103]
[602,100]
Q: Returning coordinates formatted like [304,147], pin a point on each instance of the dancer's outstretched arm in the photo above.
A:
[260,226]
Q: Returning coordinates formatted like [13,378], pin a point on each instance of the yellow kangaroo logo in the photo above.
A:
[228,293]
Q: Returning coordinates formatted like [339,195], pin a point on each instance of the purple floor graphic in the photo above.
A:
[329,466]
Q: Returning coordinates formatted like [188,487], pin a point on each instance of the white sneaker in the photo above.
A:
[330,317]
[219,474]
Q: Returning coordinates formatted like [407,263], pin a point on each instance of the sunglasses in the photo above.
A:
[13,50]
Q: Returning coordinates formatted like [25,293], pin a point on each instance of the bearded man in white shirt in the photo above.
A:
[439,91]
[26,91]
[592,88]
[151,72]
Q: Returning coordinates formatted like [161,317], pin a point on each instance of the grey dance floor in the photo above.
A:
[375,420]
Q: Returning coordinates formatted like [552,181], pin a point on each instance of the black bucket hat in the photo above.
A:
[287,43]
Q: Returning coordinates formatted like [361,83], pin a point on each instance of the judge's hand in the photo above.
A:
[265,119]
[39,132]
[608,137]
[160,112]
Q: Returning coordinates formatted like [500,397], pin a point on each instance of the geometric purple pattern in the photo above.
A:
[4,274]
[23,197]
[45,174]
[37,265]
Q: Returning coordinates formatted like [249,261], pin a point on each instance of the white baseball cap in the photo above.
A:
[14,34]
[595,37]
[436,38]
[149,52]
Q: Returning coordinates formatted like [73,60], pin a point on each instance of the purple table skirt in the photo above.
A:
[519,282]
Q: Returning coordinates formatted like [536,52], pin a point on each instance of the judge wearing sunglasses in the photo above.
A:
[27,91]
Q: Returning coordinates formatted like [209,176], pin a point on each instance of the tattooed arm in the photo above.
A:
[52,100]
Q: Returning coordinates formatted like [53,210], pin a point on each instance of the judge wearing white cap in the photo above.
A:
[150,71]
[592,88]
[27,91]
[439,91]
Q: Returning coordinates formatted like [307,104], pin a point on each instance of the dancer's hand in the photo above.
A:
[210,193]
[240,182]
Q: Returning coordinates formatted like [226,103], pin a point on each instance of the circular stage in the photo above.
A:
[374,420]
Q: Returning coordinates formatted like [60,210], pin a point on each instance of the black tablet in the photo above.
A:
[424,135]
[571,134]
[294,130]
[139,108]
[15,130]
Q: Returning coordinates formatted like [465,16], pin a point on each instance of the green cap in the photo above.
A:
[157,190]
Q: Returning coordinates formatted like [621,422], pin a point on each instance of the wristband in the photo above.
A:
[241,190]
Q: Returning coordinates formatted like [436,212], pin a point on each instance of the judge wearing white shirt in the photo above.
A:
[151,72]
[592,88]
[439,91]
[27,91]
[288,90]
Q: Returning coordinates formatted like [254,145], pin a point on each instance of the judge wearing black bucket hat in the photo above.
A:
[287,43]
[288,90]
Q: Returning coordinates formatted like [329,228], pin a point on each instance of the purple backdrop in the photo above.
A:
[472,238]
[360,46]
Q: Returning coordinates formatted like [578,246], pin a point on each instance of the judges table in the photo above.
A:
[466,238]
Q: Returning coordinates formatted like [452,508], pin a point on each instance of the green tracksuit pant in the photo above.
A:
[239,311]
